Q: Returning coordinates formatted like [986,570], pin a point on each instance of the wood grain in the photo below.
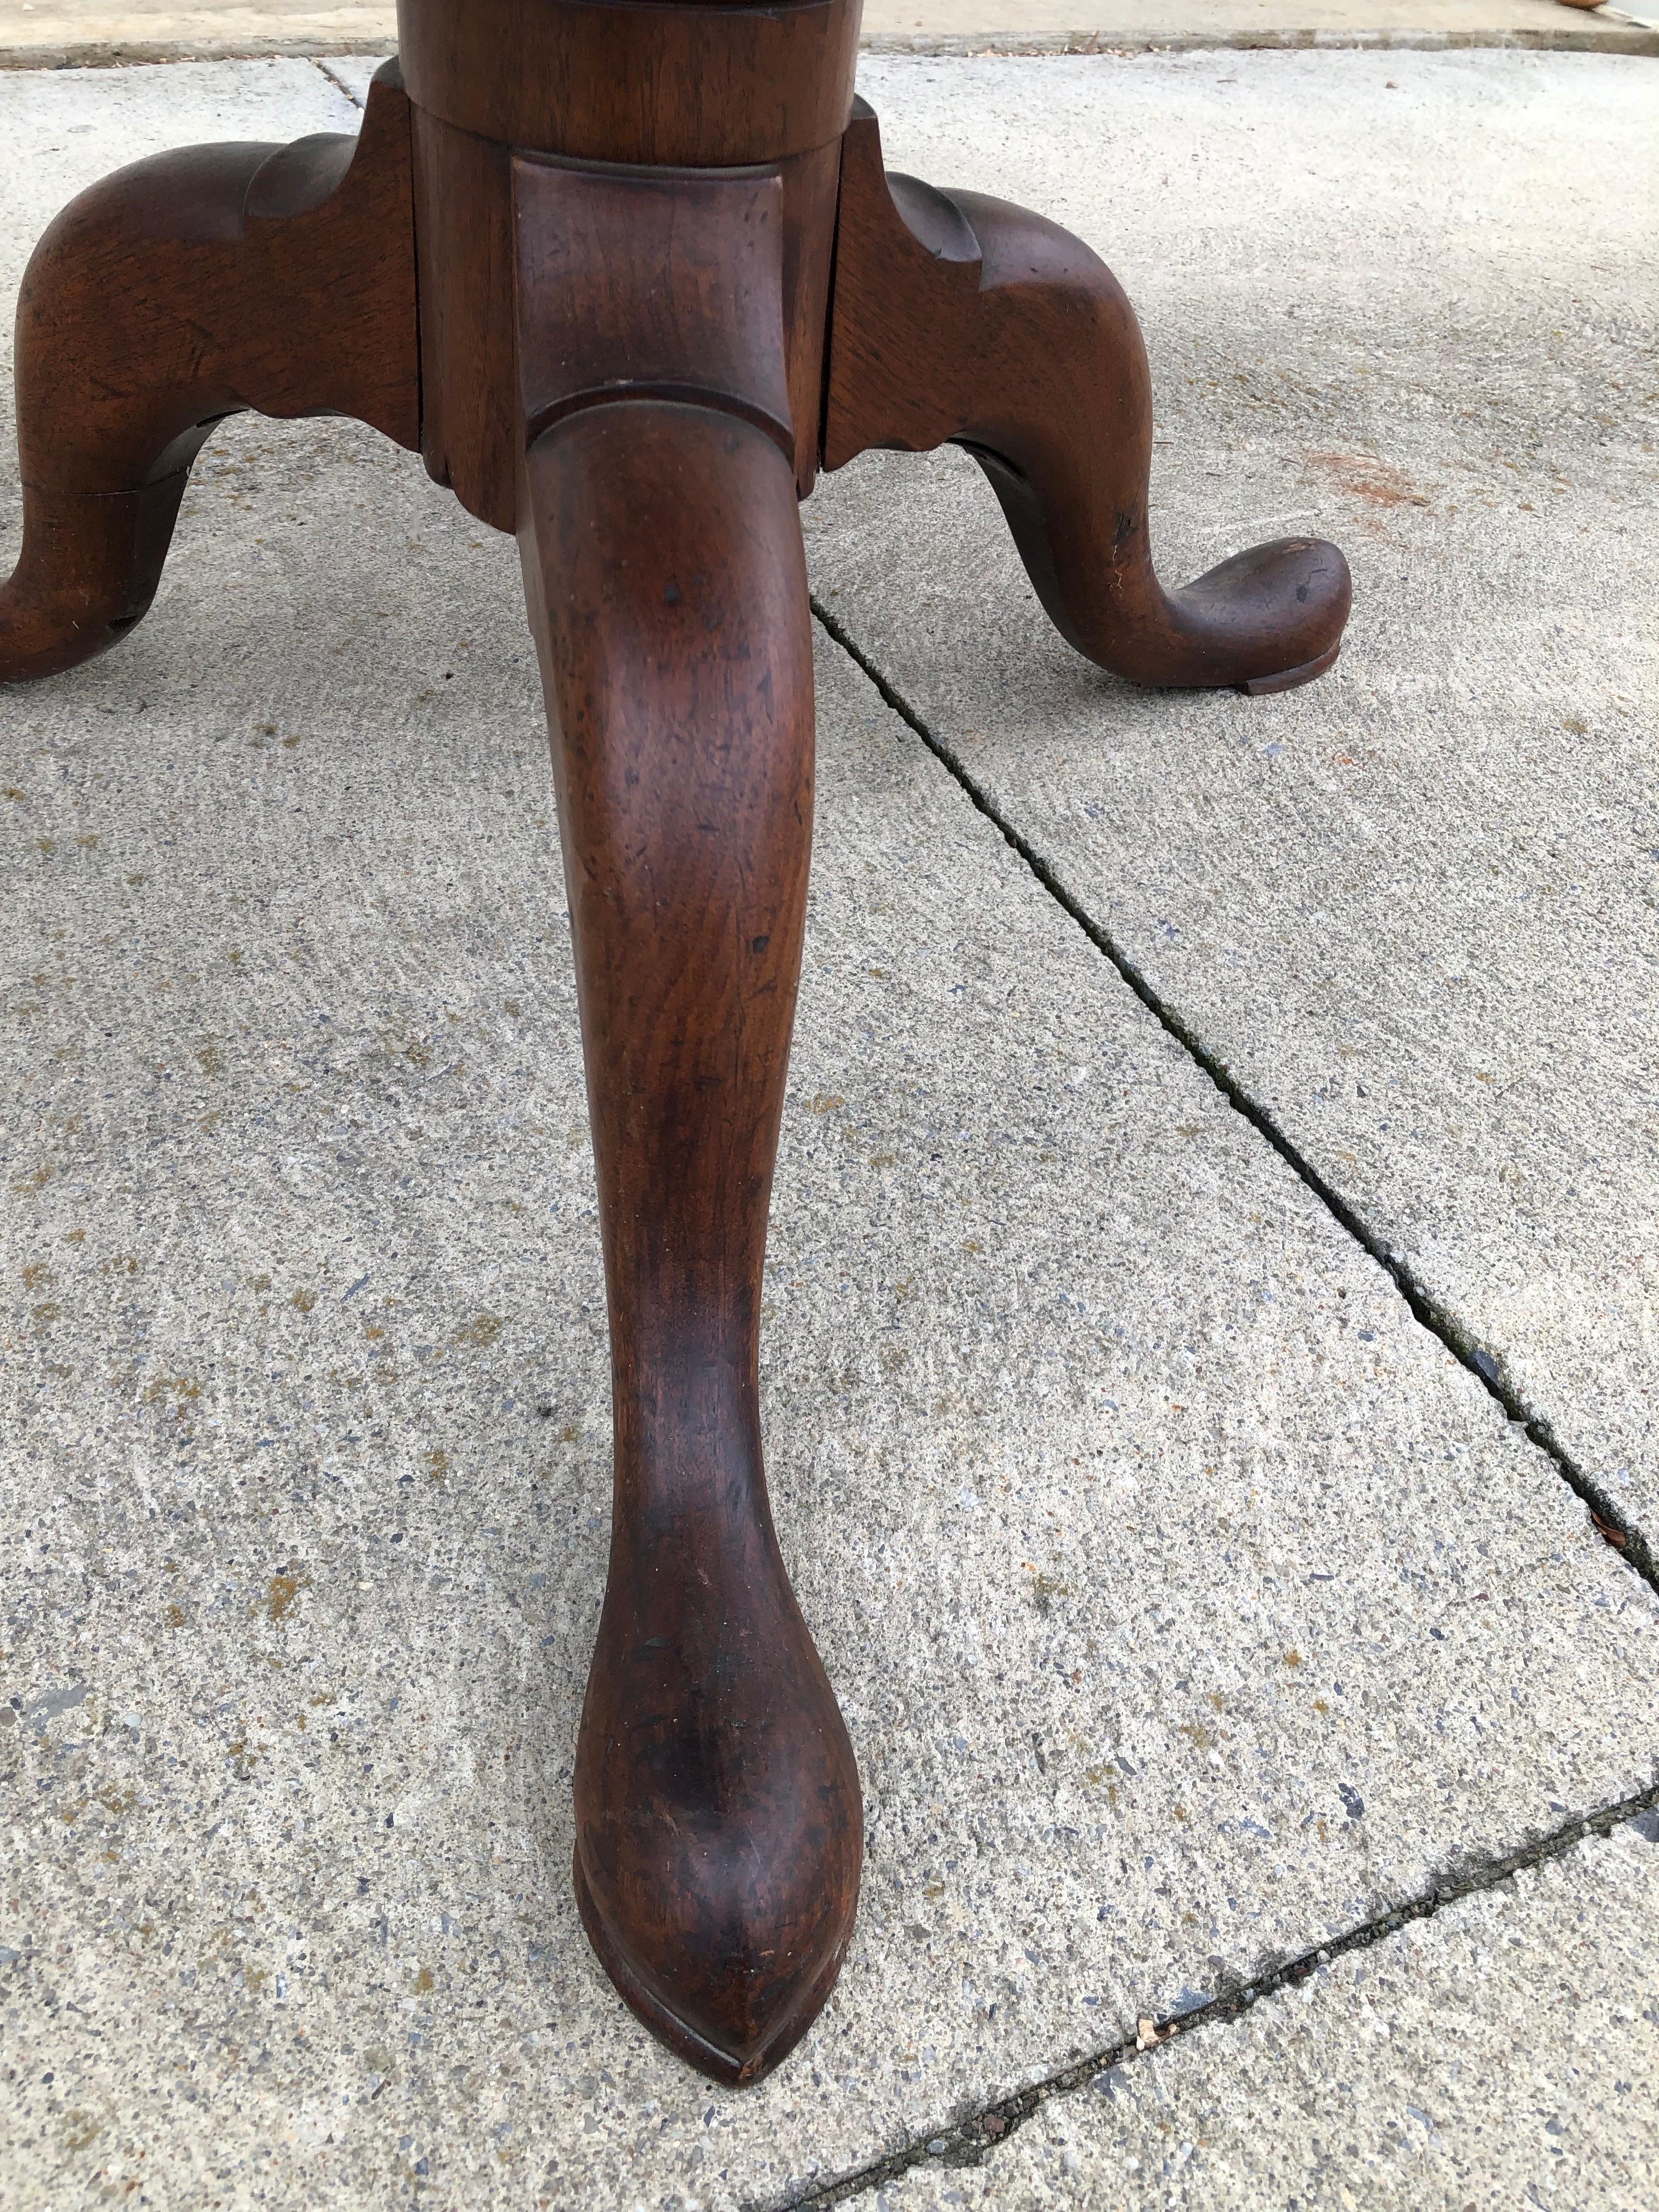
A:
[956,318]
[697,83]
[471,432]
[650,284]
[619,276]
[177,292]
[719,1830]
[719,1835]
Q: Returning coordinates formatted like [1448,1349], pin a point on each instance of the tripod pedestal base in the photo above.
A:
[630,322]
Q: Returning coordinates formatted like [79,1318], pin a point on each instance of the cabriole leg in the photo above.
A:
[719,1825]
[960,319]
[174,292]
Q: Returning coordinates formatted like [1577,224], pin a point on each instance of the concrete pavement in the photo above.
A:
[51,32]
[1195,1603]
[1497,2053]
[1384,903]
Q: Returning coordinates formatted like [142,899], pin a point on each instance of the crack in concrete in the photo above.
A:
[1605,1515]
[339,82]
[972,2141]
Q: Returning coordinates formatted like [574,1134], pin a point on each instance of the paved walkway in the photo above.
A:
[1213,1276]
[46,32]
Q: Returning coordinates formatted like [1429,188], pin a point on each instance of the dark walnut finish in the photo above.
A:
[720,1828]
[627,275]
[184,288]
[960,318]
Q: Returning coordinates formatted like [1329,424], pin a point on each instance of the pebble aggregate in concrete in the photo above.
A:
[1188,1603]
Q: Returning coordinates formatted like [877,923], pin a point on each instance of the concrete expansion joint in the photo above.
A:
[1608,1519]
[975,2141]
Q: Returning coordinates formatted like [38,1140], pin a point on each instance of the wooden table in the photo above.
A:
[627,273]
